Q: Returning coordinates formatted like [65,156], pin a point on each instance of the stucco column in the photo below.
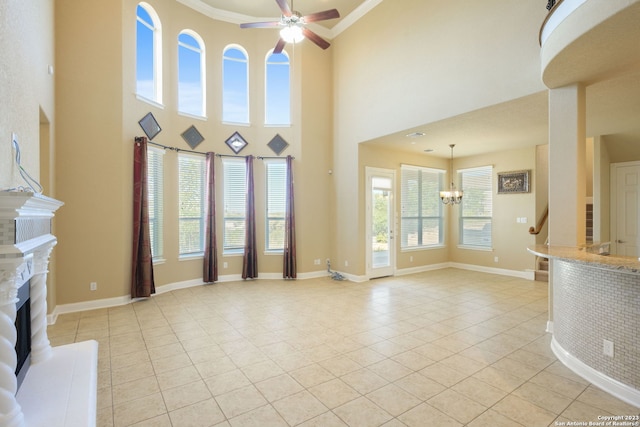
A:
[567,179]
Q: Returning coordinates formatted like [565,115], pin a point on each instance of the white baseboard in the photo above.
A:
[422,269]
[550,326]
[622,391]
[126,299]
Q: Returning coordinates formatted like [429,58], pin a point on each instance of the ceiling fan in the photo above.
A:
[293,28]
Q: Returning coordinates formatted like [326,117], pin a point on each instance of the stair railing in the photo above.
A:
[541,221]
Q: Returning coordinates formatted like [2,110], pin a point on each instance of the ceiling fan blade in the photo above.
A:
[279,46]
[270,24]
[315,38]
[322,16]
[284,7]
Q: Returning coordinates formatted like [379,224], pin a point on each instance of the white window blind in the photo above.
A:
[191,204]
[421,209]
[155,188]
[477,207]
[276,172]
[234,193]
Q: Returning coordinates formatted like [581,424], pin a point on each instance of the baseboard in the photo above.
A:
[126,299]
[614,387]
[550,326]
[527,274]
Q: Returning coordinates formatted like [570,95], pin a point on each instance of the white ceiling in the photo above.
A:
[261,9]
[613,107]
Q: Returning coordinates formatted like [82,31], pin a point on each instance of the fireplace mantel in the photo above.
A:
[59,388]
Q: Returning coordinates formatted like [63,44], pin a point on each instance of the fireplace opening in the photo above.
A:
[23,330]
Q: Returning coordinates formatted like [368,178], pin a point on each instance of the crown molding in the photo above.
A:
[238,18]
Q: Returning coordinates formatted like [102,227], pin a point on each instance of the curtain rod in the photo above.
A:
[175,148]
[217,155]
[273,157]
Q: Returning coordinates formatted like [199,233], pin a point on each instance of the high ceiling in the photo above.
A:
[268,9]
[613,106]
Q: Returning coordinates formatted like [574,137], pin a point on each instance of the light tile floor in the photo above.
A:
[441,348]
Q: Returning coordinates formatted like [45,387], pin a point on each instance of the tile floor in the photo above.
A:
[442,348]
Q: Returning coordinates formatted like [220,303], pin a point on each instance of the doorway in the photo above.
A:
[625,200]
[380,222]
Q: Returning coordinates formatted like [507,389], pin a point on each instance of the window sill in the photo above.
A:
[422,248]
[188,257]
[150,101]
[159,261]
[476,248]
[276,252]
[243,124]
[272,125]
[233,253]
[193,116]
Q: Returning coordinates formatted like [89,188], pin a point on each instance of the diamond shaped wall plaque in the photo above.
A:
[278,144]
[192,137]
[150,126]
[236,142]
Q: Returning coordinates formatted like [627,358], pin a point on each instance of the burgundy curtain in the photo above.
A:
[250,261]
[289,262]
[210,273]
[142,284]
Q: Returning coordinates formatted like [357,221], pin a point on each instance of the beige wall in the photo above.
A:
[510,238]
[26,87]
[27,94]
[98,120]
[392,71]
[372,156]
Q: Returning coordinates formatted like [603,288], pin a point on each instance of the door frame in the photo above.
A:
[370,172]
[613,202]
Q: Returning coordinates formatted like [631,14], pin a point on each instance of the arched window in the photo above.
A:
[191,74]
[148,54]
[277,99]
[235,85]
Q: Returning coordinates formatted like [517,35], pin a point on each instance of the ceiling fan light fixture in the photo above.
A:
[292,33]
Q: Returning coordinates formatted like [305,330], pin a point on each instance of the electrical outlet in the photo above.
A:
[411,258]
[225,265]
[316,261]
[607,348]
[346,263]
[93,286]
[495,259]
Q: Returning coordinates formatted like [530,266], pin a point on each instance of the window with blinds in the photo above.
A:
[421,223]
[276,171]
[155,177]
[191,204]
[476,210]
[235,196]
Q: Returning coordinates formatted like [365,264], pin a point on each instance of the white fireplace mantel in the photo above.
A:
[59,388]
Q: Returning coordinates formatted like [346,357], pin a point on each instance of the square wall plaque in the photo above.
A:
[236,142]
[192,137]
[278,144]
[150,126]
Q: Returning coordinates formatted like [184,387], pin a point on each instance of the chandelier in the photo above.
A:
[451,196]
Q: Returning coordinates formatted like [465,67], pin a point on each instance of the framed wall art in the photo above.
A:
[514,182]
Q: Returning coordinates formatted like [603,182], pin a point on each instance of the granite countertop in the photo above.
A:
[582,255]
